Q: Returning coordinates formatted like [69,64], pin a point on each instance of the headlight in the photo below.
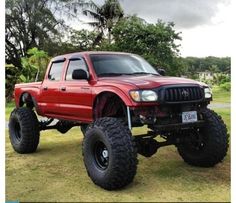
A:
[143,95]
[148,95]
[208,92]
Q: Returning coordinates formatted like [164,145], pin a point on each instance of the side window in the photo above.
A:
[75,64]
[56,71]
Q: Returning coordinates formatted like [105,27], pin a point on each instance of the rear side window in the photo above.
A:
[56,71]
[75,64]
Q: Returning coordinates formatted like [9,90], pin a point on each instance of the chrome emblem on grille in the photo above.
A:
[185,93]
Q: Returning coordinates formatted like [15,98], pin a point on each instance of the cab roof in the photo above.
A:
[83,53]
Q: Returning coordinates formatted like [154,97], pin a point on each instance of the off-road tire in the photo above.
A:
[24,130]
[122,164]
[215,144]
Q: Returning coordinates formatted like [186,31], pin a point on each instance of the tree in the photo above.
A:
[210,63]
[155,42]
[12,77]
[105,16]
[34,66]
[33,23]
[81,40]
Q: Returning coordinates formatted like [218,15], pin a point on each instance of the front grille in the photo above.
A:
[182,94]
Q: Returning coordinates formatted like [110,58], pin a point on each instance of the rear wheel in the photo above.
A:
[110,155]
[206,146]
[24,130]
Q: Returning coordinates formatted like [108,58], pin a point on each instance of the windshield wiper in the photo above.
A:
[109,74]
[120,74]
[144,73]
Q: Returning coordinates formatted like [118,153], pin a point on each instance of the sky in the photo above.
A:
[205,25]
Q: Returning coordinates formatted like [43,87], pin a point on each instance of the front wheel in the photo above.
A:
[110,155]
[206,146]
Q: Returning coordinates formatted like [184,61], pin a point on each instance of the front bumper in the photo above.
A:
[166,117]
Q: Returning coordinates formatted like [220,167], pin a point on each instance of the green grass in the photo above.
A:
[225,114]
[220,95]
[56,173]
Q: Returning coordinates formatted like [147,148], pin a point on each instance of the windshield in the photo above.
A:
[120,64]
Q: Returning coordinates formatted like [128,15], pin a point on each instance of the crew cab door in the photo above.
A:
[49,94]
[76,95]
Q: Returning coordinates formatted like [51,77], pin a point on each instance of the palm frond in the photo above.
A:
[93,24]
[92,14]
[91,5]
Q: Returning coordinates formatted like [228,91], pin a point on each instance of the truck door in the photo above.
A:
[49,98]
[76,95]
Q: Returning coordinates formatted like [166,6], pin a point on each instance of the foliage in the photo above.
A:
[80,40]
[226,86]
[105,16]
[34,23]
[212,64]
[218,79]
[34,65]
[155,42]
[210,83]
[12,75]
[221,78]
[33,68]
[28,24]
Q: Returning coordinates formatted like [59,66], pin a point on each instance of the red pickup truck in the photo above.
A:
[108,94]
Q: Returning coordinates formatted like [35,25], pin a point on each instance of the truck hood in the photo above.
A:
[150,81]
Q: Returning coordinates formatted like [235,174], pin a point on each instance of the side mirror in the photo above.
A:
[161,71]
[80,74]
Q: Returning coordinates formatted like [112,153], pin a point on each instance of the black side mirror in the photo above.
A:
[80,74]
[161,71]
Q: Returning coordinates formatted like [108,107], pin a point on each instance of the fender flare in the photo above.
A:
[124,97]
[27,96]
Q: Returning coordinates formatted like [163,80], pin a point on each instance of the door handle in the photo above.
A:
[45,88]
[63,88]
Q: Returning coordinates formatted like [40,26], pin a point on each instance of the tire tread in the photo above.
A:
[218,142]
[124,151]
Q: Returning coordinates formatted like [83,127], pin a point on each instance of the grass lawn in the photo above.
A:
[220,95]
[56,173]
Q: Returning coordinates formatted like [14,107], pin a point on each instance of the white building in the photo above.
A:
[206,75]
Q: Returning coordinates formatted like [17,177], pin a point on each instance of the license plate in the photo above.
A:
[189,116]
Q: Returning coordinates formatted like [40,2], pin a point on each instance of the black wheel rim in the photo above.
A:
[196,140]
[101,155]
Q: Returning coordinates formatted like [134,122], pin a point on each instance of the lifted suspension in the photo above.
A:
[62,126]
[147,145]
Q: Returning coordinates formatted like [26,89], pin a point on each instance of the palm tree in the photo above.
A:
[105,16]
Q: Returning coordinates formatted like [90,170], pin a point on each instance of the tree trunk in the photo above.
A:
[109,36]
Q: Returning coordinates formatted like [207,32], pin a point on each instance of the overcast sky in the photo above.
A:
[205,24]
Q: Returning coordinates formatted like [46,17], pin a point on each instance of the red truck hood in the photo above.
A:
[149,81]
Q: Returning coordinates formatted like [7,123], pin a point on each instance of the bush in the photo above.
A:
[221,78]
[208,82]
[12,75]
[226,86]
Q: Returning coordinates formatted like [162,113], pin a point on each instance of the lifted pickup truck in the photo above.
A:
[108,94]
